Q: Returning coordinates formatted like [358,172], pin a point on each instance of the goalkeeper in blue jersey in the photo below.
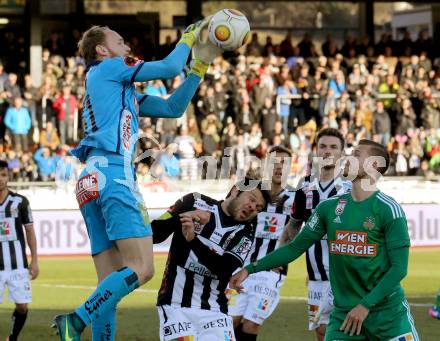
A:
[114,212]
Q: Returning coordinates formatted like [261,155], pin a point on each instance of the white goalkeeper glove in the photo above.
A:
[203,54]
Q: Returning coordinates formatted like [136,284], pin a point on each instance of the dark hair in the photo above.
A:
[331,132]
[245,183]
[377,149]
[3,164]
[280,149]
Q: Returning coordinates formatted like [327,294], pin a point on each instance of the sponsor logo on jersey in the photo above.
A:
[352,243]
[126,129]
[199,269]
[337,220]
[5,229]
[243,247]
[340,207]
[369,223]
[87,189]
[204,206]
[270,224]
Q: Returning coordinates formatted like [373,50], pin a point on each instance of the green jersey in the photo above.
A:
[362,239]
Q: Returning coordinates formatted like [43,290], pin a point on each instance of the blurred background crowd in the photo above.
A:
[269,94]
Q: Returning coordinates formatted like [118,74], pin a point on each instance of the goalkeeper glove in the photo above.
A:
[192,32]
[203,54]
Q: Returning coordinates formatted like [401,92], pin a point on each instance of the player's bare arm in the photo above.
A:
[34,269]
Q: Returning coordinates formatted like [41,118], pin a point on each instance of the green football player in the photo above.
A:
[369,247]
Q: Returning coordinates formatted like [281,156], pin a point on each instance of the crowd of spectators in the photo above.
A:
[268,95]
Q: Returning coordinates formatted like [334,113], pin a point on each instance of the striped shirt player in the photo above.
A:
[15,272]
[310,194]
[262,290]
[192,300]
[15,212]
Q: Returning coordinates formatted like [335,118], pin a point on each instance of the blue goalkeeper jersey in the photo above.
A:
[110,107]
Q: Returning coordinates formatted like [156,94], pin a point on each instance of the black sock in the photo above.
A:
[247,337]
[237,332]
[18,319]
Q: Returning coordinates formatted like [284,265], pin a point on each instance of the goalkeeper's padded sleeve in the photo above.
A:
[288,253]
[172,107]
[398,270]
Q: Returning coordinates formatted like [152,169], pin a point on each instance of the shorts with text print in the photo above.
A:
[110,201]
[193,324]
[260,297]
[320,303]
[18,283]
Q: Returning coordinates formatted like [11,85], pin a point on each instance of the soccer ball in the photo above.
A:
[229,29]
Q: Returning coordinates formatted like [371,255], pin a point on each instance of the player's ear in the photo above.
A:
[101,50]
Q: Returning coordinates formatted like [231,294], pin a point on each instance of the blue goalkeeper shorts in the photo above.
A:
[110,201]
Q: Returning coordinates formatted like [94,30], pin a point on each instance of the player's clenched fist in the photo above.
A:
[237,279]
[187,226]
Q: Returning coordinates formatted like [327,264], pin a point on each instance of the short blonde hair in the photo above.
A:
[94,36]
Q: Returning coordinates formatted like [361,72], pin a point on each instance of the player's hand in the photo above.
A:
[236,280]
[199,216]
[187,226]
[192,32]
[34,269]
[354,319]
[205,51]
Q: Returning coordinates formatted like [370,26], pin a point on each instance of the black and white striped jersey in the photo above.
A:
[189,279]
[307,197]
[270,225]
[15,212]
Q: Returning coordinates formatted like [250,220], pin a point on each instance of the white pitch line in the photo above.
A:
[151,291]
[84,287]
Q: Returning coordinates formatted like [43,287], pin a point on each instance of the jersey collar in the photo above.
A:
[93,63]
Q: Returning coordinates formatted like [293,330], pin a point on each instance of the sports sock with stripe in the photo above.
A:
[107,295]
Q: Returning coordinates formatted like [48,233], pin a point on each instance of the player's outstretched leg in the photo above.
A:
[105,298]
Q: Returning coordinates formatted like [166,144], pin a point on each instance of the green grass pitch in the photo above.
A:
[64,283]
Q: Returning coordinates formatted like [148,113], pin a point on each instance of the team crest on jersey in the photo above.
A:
[243,247]
[340,207]
[369,223]
[131,61]
[270,224]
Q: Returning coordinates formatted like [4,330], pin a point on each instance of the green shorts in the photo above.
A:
[394,323]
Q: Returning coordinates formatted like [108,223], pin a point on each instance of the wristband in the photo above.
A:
[199,68]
